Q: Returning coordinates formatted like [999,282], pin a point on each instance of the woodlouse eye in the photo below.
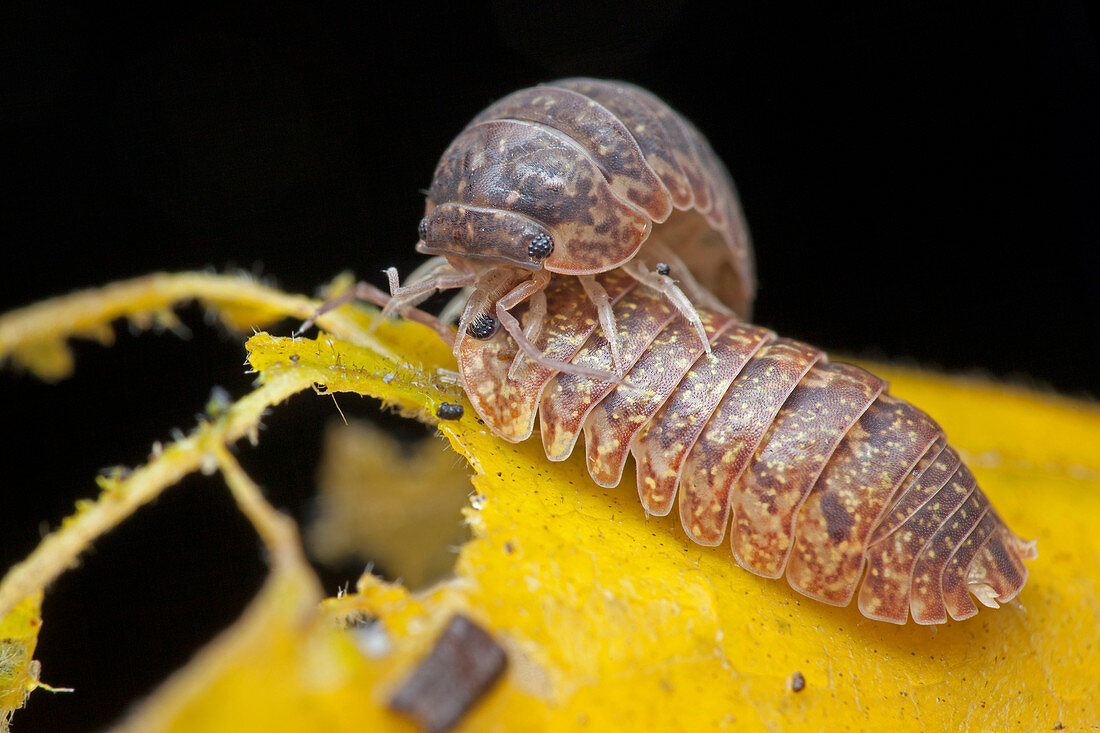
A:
[541,246]
[663,269]
[422,230]
[482,327]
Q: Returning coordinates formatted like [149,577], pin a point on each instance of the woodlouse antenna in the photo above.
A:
[532,328]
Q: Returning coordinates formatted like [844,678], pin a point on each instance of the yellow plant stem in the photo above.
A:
[121,497]
[34,337]
[278,532]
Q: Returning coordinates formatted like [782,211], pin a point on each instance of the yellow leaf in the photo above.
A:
[610,619]
[613,621]
[18,671]
[382,503]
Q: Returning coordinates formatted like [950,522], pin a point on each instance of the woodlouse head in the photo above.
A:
[490,236]
[518,192]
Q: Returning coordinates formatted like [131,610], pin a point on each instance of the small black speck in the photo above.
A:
[663,269]
[798,682]
[509,548]
[449,411]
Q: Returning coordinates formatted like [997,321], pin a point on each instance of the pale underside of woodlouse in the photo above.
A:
[811,466]
[570,178]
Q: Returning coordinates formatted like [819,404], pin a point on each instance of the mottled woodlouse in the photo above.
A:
[597,226]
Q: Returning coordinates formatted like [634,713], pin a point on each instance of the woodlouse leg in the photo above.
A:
[425,271]
[598,296]
[367,292]
[453,310]
[657,251]
[665,285]
[517,295]
[533,321]
[491,286]
[426,268]
[414,294]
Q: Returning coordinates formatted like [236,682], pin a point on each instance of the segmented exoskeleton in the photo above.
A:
[596,226]
[820,469]
[570,178]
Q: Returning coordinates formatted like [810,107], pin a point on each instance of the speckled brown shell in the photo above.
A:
[595,165]
[811,466]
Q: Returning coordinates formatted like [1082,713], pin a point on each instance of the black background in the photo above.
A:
[922,184]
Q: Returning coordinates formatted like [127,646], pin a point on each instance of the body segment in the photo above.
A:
[810,466]
[609,275]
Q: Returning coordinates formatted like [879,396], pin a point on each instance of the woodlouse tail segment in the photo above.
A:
[939,544]
[999,565]
[901,534]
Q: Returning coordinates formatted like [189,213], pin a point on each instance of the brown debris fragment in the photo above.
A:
[460,670]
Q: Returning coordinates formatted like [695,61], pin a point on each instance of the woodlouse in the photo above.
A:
[822,472]
[570,178]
